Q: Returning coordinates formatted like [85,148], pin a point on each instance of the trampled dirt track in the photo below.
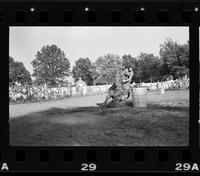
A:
[78,122]
[18,110]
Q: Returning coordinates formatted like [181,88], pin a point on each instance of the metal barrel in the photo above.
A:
[139,97]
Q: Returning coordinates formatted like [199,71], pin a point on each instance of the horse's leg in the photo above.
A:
[106,100]
[117,96]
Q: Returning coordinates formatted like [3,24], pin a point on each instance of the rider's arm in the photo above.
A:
[129,79]
[126,81]
[131,76]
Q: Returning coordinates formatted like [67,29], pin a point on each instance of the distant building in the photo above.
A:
[70,80]
[67,81]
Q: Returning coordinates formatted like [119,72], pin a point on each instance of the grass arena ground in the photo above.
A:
[77,121]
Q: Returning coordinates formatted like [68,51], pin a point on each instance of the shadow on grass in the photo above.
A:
[47,127]
[109,108]
[57,112]
[169,108]
[87,126]
[68,111]
[161,107]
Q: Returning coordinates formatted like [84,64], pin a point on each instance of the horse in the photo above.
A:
[118,92]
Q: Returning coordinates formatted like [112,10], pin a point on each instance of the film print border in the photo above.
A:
[175,159]
[106,14]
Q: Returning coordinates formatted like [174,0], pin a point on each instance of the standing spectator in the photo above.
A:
[80,84]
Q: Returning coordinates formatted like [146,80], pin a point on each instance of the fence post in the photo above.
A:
[45,91]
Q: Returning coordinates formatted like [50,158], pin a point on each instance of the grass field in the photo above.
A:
[79,122]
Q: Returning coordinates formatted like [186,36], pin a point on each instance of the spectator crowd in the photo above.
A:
[19,93]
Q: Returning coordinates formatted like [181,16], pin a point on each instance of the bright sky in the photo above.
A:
[91,42]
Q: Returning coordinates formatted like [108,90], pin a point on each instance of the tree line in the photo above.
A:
[51,66]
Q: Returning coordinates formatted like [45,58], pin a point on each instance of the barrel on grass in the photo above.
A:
[139,97]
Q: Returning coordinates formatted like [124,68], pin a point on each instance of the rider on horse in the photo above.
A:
[120,90]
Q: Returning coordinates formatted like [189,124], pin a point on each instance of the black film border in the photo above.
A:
[101,14]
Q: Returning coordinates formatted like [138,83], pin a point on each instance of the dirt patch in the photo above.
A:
[158,125]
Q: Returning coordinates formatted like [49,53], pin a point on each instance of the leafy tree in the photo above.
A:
[129,61]
[149,67]
[93,73]
[18,73]
[175,58]
[11,71]
[105,67]
[50,65]
[83,68]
